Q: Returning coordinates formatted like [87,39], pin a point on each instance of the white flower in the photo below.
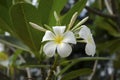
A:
[85,33]
[58,42]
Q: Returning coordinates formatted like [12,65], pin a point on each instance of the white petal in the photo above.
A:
[84,32]
[48,36]
[69,37]
[59,30]
[90,49]
[49,48]
[64,49]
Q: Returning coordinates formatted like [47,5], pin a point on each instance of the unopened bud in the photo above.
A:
[37,27]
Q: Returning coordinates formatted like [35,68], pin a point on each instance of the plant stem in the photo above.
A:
[54,66]
[100,13]
[94,69]
[28,73]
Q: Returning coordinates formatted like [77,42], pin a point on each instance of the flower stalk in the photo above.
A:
[52,69]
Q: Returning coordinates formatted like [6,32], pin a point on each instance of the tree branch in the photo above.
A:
[100,13]
[51,72]
[94,69]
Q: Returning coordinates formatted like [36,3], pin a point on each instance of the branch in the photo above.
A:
[94,69]
[100,13]
[53,68]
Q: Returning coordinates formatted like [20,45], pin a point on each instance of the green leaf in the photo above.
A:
[102,23]
[34,66]
[4,26]
[13,42]
[46,10]
[6,3]
[22,1]
[75,61]
[76,73]
[111,46]
[15,57]
[78,7]
[5,19]
[21,15]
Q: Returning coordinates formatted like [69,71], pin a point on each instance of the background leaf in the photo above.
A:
[78,7]
[101,23]
[46,10]
[76,73]
[5,18]
[72,62]
[13,42]
[21,15]
[6,3]
[4,26]
[109,46]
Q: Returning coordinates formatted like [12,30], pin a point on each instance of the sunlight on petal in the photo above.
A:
[48,36]
[69,37]
[64,50]
[49,48]
[58,30]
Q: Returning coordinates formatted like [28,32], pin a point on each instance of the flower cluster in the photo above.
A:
[60,38]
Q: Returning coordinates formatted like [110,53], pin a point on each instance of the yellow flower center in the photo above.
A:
[58,39]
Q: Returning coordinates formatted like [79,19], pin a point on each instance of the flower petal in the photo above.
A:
[48,49]
[90,49]
[48,36]
[64,49]
[84,32]
[58,30]
[69,37]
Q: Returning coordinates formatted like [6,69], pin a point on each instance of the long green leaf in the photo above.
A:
[57,6]
[13,42]
[5,19]
[15,57]
[46,9]
[78,7]
[101,23]
[4,26]
[34,66]
[76,73]
[21,15]
[111,46]
[6,3]
[75,61]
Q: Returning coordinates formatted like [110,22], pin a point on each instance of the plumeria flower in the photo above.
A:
[58,41]
[85,33]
